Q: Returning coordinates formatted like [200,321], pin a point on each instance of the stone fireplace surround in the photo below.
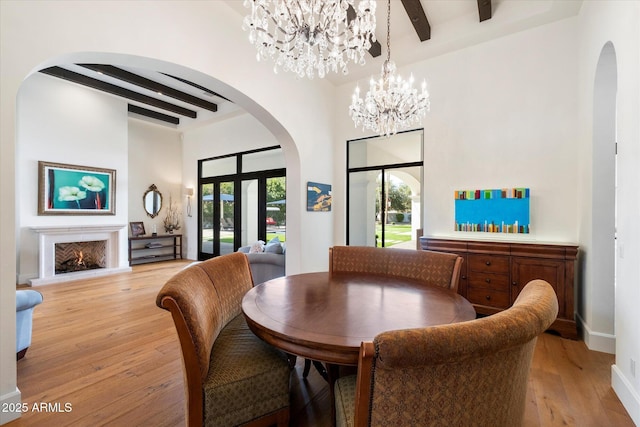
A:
[48,236]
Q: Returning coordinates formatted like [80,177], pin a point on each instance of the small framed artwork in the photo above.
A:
[75,190]
[137,229]
[318,197]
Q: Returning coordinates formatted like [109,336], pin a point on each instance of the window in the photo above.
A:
[384,190]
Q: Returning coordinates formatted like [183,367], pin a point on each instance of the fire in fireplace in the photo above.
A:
[80,256]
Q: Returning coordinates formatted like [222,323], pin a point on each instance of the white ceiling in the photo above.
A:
[454,25]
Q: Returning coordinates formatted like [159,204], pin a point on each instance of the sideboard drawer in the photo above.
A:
[489,281]
[489,297]
[489,263]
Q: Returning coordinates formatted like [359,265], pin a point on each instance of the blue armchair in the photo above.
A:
[26,300]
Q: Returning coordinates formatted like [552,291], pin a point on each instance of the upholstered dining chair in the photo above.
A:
[231,376]
[430,267]
[471,373]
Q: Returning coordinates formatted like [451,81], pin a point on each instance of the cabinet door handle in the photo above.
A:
[488,297]
[514,283]
[488,262]
[487,280]
[464,277]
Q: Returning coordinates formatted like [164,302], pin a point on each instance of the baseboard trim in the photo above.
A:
[596,341]
[627,395]
[11,402]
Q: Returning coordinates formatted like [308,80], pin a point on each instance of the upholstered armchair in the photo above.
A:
[471,373]
[26,300]
[231,376]
[431,268]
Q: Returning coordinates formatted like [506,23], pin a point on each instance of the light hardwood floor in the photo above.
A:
[102,348]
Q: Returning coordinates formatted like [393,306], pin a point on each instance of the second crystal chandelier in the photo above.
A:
[309,36]
[391,103]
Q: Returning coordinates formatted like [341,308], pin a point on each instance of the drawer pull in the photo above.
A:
[464,277]
[514,283]
[488,297]
[488,262]
[487,280]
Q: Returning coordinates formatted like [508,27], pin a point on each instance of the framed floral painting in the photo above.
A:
[75,190]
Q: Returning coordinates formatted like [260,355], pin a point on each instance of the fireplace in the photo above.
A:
[75,252]
[80,256]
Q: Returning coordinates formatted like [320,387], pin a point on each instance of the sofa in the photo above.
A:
[26,300]
[268,263]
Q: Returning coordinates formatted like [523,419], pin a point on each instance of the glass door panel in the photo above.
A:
[249,228]
[206,221]
[276,208]
[364,209]
[402,213]
[384,207]
[227,218]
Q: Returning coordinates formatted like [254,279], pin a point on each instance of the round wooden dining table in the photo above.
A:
[325,317]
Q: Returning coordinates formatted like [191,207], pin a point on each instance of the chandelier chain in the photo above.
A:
[388,30]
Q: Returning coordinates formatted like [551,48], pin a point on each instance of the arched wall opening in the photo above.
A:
[601,312]
[260,117]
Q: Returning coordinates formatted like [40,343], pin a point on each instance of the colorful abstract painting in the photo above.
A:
[503,210]
[318,197]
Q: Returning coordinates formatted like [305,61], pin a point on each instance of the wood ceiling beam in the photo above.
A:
[484,10]
[418,18]
[197,86]
[135,79]
[153,114]
[81,79]
[375,50]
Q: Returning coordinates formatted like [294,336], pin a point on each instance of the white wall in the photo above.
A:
[37,34]
[65,123]
[617,22]
[155,157]
[501,116]
[236,134]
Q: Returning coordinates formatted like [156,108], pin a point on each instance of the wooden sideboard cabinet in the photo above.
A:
[143,249]
[494,273]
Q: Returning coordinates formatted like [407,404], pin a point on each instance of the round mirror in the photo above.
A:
[152,201]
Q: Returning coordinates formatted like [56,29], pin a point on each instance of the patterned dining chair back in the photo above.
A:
[432,268]
[471,373]
[222,359]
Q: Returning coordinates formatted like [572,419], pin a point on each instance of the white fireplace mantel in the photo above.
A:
[49,236]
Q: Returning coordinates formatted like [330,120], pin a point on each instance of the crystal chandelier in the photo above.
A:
[391,103]
[305,36]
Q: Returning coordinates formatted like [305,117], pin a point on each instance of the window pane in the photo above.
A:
[227,219]
[249,233]
[263,160]
[276,208]
[219,167]
[206,213]
[400,148]
[363,208]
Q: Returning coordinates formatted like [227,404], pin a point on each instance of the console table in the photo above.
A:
[144,249]
[494,273]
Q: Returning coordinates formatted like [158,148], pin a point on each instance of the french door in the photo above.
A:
[238,211]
